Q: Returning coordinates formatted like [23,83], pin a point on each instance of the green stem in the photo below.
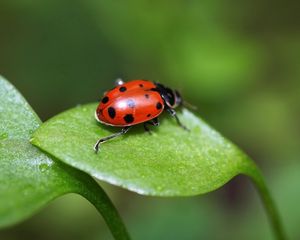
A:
[257,178]
[96,195]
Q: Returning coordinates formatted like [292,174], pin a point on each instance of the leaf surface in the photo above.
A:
[170,162]
[29,179]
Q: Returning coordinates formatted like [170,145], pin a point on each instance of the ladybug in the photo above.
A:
[135,102]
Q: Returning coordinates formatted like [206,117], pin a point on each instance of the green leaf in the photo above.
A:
[170,162]
[29,179]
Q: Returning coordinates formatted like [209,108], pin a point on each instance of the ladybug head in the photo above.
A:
[171,97]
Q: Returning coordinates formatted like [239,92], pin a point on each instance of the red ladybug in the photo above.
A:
[134,102]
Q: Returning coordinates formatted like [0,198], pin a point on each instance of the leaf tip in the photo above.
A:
[33,140]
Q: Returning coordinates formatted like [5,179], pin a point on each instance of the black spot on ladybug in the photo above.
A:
[111,112]
[147,96]
[149,115]
[105,100]
[122,89]
[158,106]
[130,103]
[129,118]
[141,85]
[154,90]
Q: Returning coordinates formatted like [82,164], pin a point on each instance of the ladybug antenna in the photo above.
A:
[188,105]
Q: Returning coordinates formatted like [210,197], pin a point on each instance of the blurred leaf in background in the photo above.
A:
[237,61]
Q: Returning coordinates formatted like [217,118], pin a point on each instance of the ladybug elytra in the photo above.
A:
[135,102]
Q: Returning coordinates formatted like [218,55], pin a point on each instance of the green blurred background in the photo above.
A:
[238,61]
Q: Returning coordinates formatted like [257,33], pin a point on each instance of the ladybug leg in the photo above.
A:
[173,114]
[153,122]
[105,139]
[146,128]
